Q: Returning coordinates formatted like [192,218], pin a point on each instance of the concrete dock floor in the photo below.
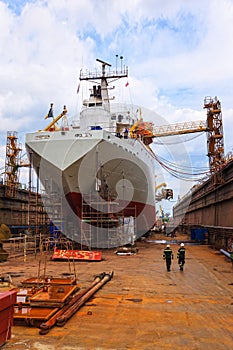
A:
[143,306]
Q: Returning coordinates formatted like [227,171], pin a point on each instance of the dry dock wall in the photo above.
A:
[23,210]
[210,205]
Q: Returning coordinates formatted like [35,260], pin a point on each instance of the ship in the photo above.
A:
[101,165]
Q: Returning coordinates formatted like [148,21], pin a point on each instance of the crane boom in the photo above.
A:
[52,124]
[213,126]
[178,128]
[163,184]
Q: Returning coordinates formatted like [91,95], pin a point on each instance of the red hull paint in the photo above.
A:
[131,209]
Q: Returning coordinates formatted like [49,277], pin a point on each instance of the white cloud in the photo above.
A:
[177,51]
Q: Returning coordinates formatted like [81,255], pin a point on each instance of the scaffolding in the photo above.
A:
[13,151]
[215,141]
[52,200]
[105,224]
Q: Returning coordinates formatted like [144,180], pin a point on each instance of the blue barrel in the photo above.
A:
[193,234]
[198,234]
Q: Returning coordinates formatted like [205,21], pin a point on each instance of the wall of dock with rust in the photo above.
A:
[210,205]
[25,209]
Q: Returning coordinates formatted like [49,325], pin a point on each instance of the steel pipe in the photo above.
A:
[46,326]
[229,255]
[61,320]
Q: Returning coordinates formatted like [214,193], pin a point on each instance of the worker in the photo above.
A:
[181,256]
[168,256]
[126,132]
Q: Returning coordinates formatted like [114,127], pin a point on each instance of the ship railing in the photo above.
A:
[97,74]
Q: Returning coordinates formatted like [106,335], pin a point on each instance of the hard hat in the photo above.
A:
[182,244]
[168,245]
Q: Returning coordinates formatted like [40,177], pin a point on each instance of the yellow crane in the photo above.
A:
[52,125]
[179,128]
[213,126]
[134,127]
[163,184]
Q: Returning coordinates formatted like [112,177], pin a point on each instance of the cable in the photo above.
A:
[178,173]
[177,142]
[163,160]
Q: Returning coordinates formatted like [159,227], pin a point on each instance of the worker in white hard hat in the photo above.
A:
[181,256]
[168,256]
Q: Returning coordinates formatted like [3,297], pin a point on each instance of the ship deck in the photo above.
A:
[143,306]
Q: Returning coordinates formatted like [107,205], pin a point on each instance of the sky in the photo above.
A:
[178,52]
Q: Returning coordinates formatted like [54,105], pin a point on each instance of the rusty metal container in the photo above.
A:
[7,301]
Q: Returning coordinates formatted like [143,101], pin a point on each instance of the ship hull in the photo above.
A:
[106,184]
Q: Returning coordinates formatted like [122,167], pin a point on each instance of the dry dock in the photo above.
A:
[143,306]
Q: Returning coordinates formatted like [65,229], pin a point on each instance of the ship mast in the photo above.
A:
[104,76]
[104,84]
